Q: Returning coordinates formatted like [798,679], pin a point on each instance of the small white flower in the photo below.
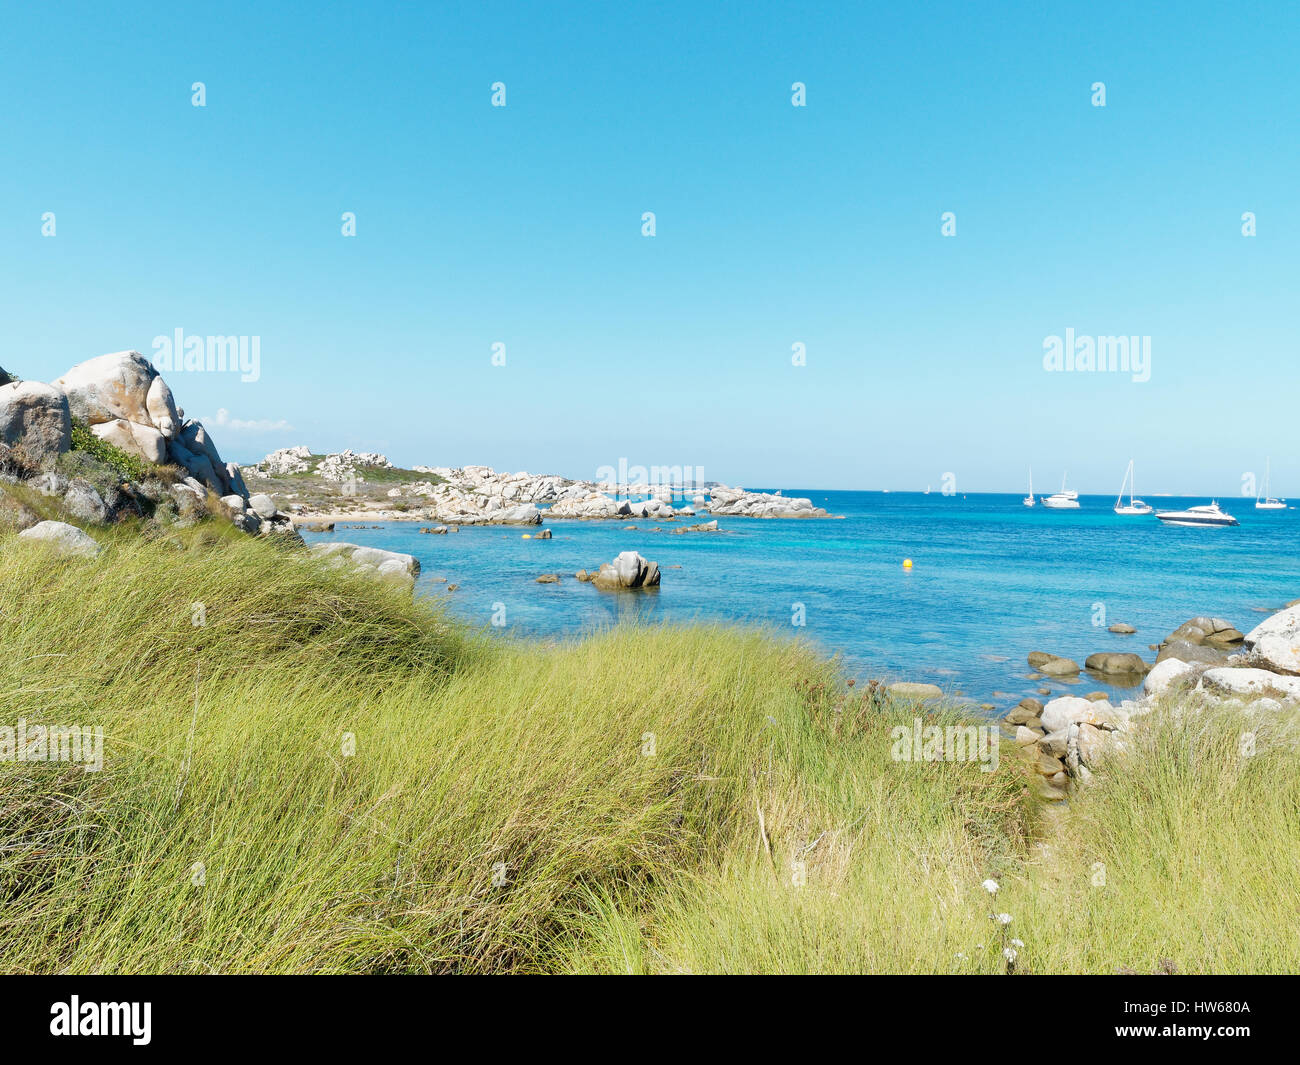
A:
[1017,944]
[991,886]
[1003,918]
[961,956]
[1010,955]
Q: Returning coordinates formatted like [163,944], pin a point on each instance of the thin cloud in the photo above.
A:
[223,420]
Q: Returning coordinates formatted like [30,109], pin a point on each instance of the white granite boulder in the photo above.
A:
[65,538]
[1274,643]
[35,417]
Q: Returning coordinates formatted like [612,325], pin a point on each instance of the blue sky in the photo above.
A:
[775,225]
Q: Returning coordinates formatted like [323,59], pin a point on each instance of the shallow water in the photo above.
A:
[991,580]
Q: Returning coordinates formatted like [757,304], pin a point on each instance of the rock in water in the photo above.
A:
[63,537]
[1059,667]
[1114,662]
[628,570]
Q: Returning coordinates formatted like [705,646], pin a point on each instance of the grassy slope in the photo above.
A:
[471,753]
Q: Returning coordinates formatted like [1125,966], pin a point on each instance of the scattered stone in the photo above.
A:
[1165,673]
[1122,629]
[61,536]
[545,534]
[1066,709]
[549,578]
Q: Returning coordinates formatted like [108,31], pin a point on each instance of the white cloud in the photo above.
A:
[223,420]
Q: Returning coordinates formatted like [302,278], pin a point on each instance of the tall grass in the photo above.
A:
[327,777]
[1184,856]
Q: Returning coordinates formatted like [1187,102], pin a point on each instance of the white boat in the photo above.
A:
[1134,506]
[1062,500]
[1029,500]
[1268,502]
[1211,514]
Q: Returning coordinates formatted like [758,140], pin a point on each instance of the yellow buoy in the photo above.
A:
[907,563]
[528,536]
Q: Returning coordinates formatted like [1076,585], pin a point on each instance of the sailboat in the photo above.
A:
[1268,502]
[1029,500]
[1134,506]
[1062,500]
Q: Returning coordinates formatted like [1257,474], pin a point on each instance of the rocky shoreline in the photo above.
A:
[480,495]
[1206,661]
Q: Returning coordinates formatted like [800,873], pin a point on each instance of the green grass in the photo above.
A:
[501,811]
[130,467]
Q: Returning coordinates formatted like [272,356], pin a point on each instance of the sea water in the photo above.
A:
[991,580]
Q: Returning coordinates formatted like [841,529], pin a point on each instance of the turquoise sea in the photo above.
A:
[991,580]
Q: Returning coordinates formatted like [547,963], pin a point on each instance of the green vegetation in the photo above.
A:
[590,806]
[130,467]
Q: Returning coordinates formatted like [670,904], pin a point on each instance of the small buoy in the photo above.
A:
[907,563]
[529,536]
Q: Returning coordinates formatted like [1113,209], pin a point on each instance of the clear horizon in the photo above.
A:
[781,232]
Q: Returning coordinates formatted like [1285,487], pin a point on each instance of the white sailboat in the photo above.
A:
[1268,502]
[1029,500]
[1062,500]
[1134,506]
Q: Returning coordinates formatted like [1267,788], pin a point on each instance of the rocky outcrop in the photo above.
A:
[738,502]
[62,537]
[1200,639]
[35,419]
[1274,644]
[628,570]
[284,462]
[1080,734]
[455,506]
[125,401]
[387,565]
[121,386]
[589,505]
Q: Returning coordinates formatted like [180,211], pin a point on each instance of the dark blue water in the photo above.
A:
[991,580]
